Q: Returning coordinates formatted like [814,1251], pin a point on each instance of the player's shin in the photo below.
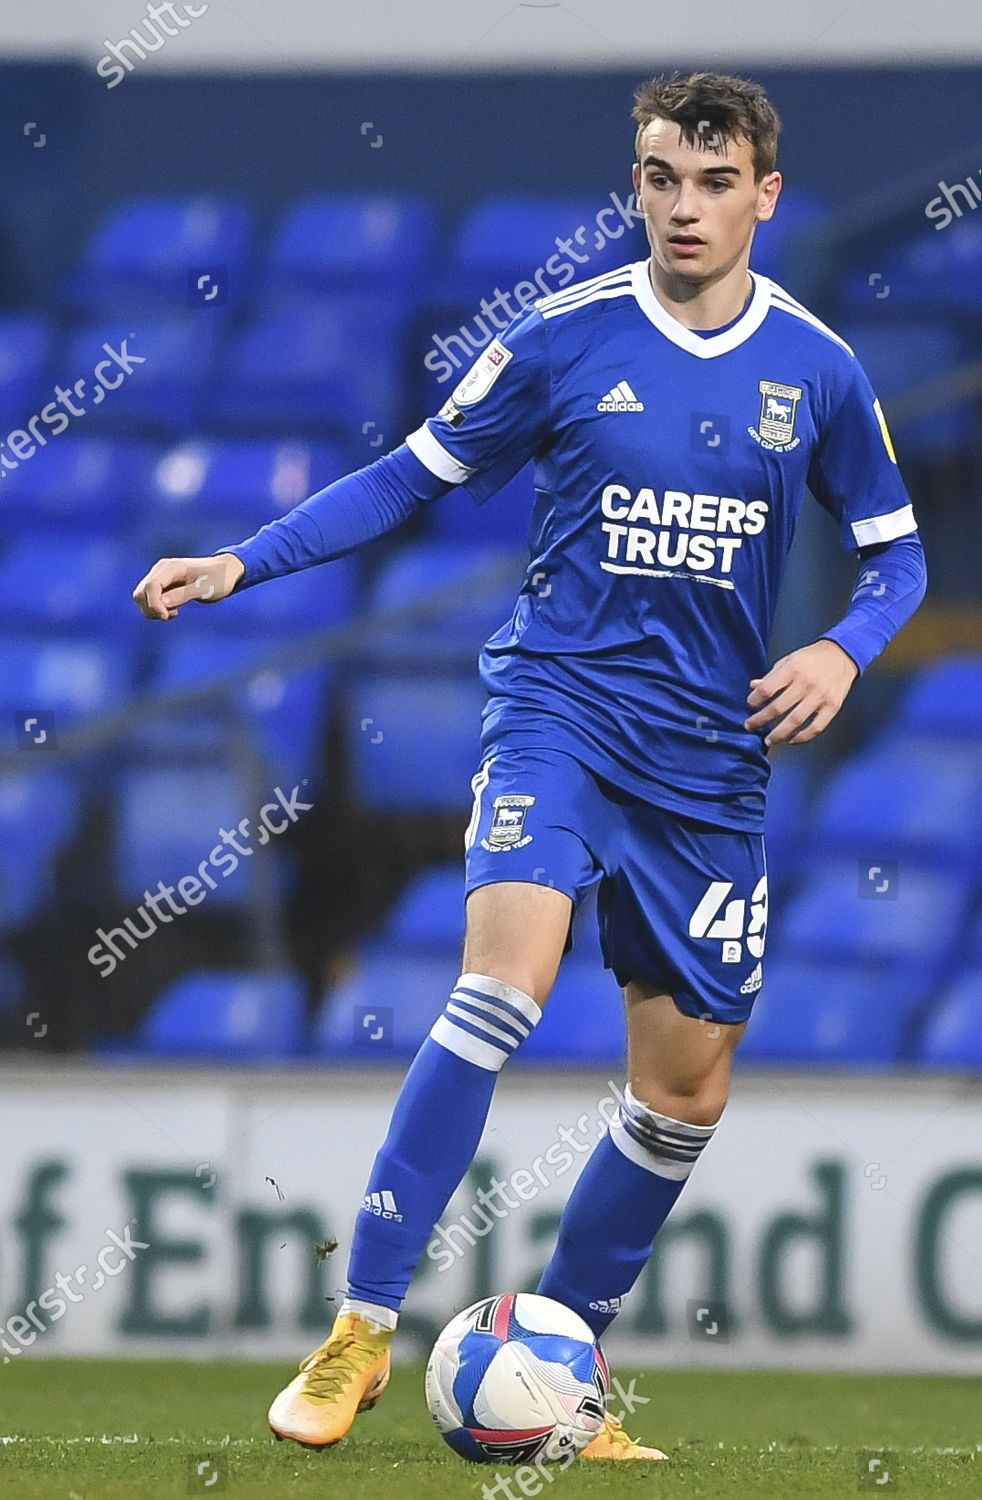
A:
[620,1201]
[434,1132]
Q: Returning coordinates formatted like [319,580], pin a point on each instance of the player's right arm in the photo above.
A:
[495,421]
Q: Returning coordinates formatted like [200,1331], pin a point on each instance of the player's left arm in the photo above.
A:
[854,475]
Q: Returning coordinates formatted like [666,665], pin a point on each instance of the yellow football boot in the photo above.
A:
[613,1442]
[346,1375]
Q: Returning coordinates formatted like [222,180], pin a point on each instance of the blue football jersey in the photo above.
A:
[670,469]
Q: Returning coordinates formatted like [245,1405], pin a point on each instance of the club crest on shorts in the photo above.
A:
[778,409]
[507,830]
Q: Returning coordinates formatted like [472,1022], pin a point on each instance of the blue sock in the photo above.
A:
[619,1202]
[435,1130]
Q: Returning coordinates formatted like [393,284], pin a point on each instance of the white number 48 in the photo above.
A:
[718,918]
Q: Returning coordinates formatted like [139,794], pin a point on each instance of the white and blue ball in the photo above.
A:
[515,1379]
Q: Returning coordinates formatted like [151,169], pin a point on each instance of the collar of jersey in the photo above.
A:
[719,343]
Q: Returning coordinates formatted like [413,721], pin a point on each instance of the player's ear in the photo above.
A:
[768,193]
[636,179]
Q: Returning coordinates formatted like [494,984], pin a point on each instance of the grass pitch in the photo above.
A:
[84,1430]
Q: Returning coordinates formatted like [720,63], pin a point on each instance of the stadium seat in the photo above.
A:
[25,349]
[333,241]
[506,238]
[944,699]
[414,741]
[787,804]
[285,713]
[39,814]
[830,1014]
[233,488]
[64,679]
[166,393]
[59,582]
[455,633]
[148,253]
[952,1035]
[235,1017]
[897,354]
[330,367]
[166,823]
[783,243]
[909,799]
[932,272]
[582,1022]
[428,915]
[852,910]
[79,483]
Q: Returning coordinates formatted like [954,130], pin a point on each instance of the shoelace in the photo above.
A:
[330,1369]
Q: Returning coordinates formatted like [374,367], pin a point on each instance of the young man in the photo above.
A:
[675,409]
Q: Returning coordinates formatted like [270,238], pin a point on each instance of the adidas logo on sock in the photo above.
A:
[607,1304]
[752,982]
[621,398]
[382,1205]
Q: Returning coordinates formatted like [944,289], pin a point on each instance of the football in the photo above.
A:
[517,1379]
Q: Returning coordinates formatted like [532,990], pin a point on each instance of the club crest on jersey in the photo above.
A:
[778,408]
[482,374]
[508,816]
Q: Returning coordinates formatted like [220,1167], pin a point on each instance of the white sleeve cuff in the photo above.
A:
[435,457]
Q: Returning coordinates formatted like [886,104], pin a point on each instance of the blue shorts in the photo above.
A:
[681,904]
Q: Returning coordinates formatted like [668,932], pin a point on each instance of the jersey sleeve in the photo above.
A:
[497,417]
[854,473]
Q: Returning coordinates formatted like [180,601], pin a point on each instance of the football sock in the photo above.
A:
[435,1130]
[618,1204]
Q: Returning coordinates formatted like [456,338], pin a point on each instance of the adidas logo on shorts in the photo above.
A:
[621,398]
[753,982]
[382,1205]
[607,1304]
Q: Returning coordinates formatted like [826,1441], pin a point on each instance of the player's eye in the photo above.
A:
[655,178]
[719,182]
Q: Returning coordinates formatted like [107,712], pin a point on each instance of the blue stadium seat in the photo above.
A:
[60,582]
[237,1017]
[428,915]
[932,272]
[144,251]
[781,243]
[890,353]
[455,635]
[908,799]
[846,911]
[414,741]
[582,1021]
[505,239]
[332,241]
[165,394]
[71,678]
[952,1035]
[39,814]
[167,822]
[830,1014]
[25,349]
[82,483]
[286,713]
[945,699]
[234,487]
[331,366]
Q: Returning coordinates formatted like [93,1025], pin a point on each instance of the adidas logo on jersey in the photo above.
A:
[382,1205]
[752,982]
[621,398]
[607,1304]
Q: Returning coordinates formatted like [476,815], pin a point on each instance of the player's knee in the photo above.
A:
[695,1103]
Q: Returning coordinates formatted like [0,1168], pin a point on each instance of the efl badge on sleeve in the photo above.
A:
[778,406]
[508,816]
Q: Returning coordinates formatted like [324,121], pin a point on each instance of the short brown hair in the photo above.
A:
[708,105]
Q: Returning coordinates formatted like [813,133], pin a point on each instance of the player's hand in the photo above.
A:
[178,580]
[804,690]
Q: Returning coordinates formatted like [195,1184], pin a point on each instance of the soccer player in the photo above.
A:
[675,409]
